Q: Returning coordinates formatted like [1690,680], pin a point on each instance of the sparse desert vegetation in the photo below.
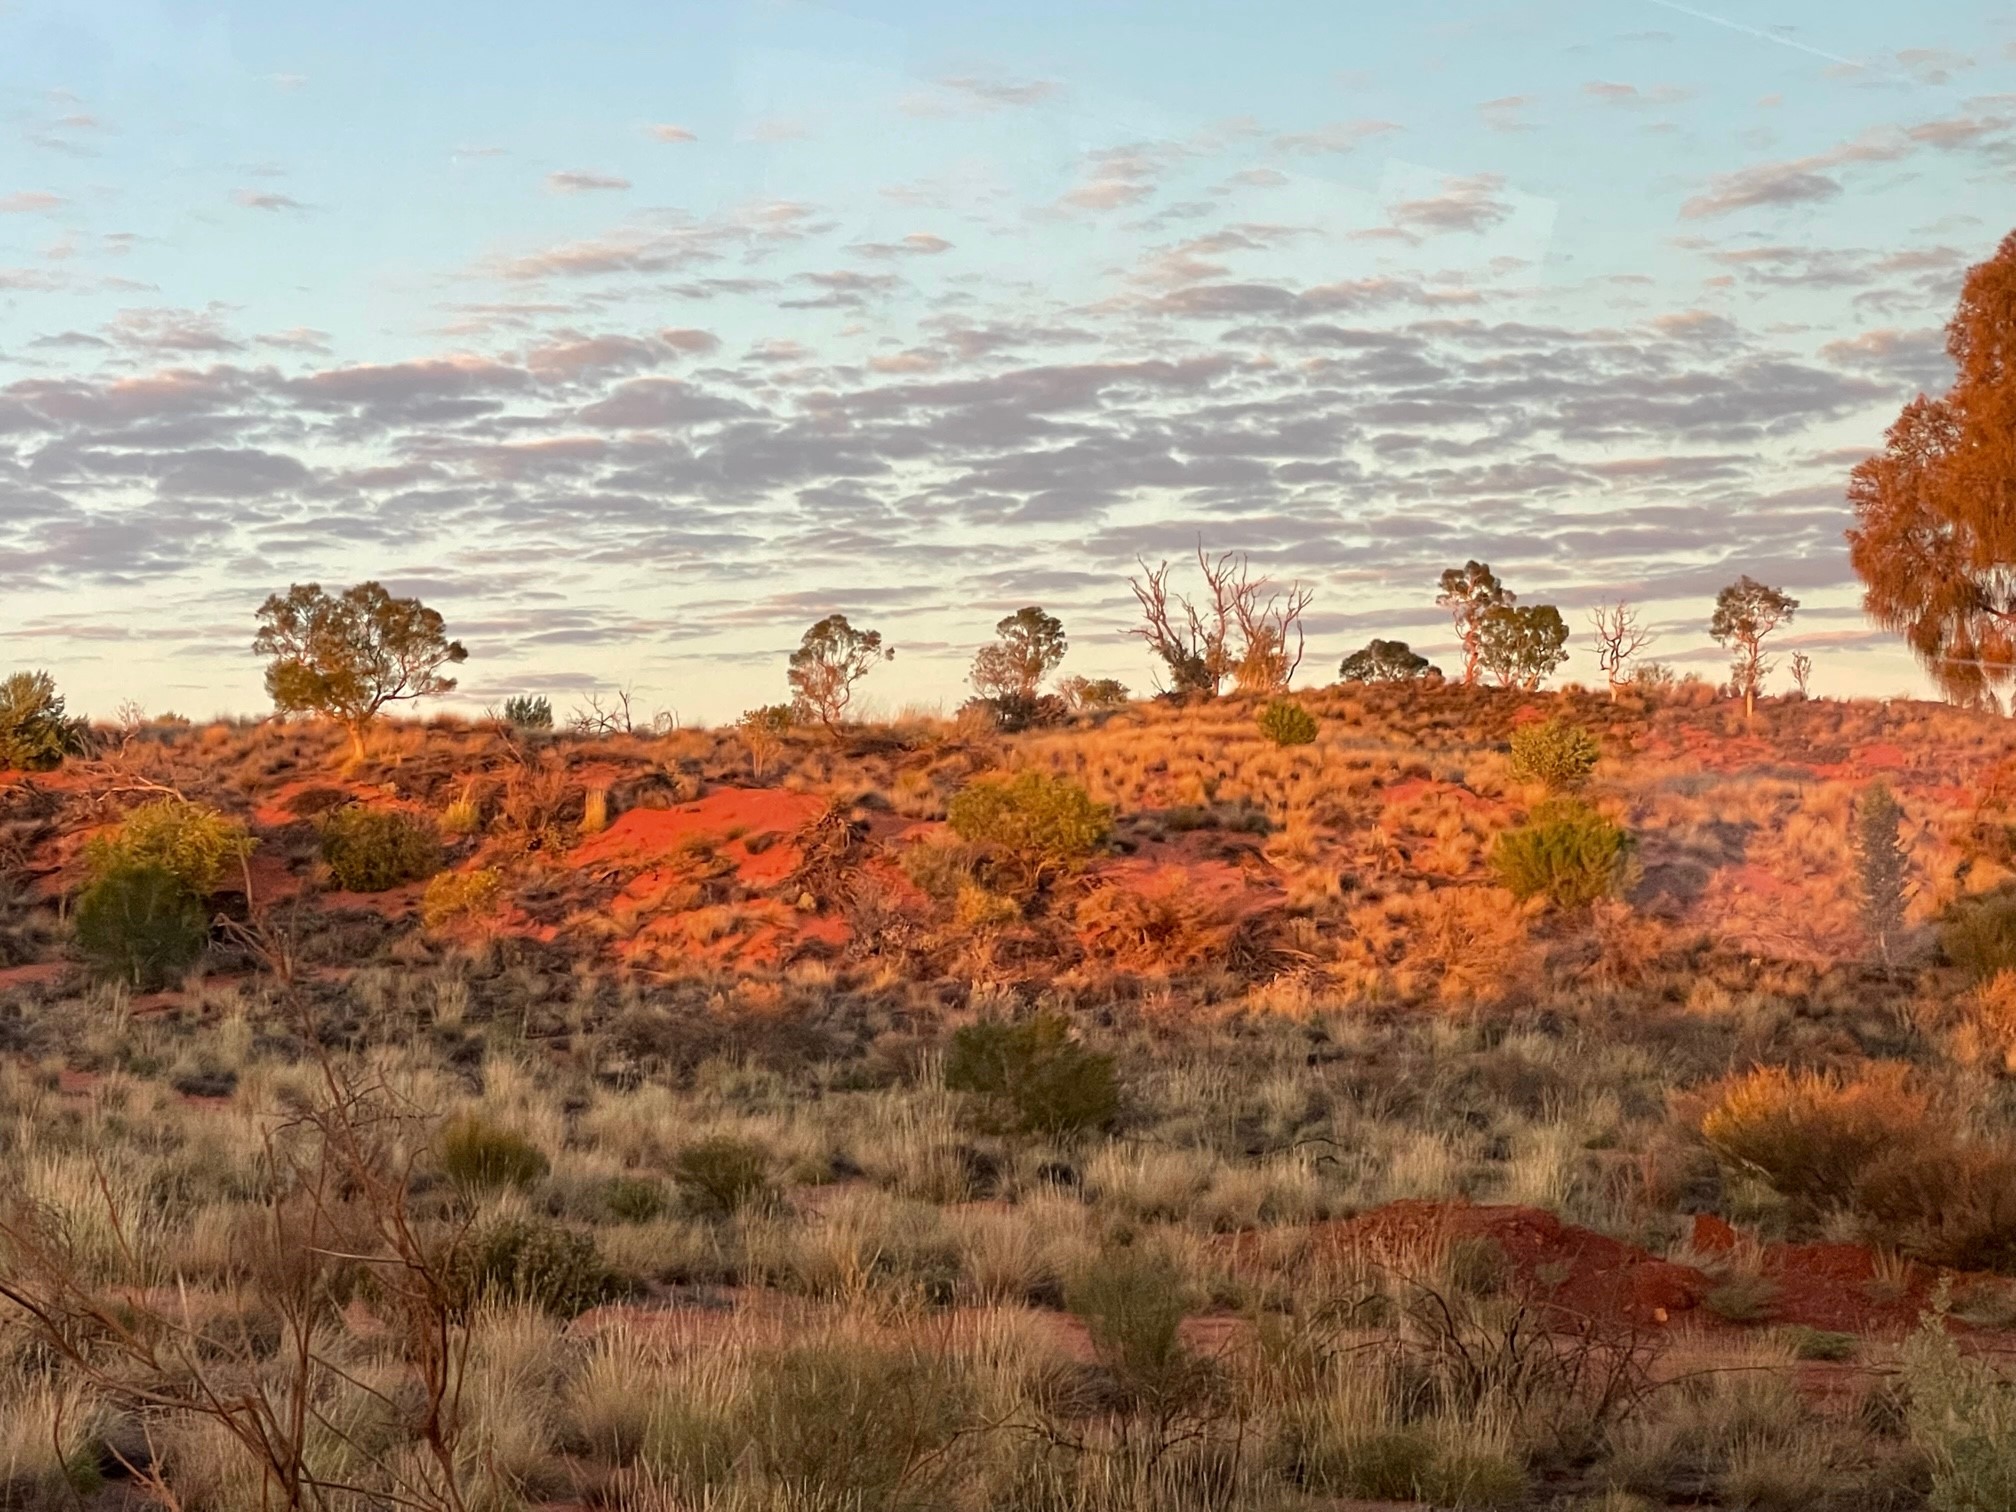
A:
[1496,1099]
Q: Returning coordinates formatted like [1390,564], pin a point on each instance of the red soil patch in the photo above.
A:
[40,974]
[647,838]
[1820,1285]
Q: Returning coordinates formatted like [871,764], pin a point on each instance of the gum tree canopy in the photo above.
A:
[1935,533]
[347,655]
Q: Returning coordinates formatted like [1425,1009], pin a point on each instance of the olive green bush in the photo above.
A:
[1034,826]
[1287,723]
[371,850]
[1035,1076]
[140,924]
[1567,853]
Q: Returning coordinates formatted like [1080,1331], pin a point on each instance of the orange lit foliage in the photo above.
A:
[1935,536]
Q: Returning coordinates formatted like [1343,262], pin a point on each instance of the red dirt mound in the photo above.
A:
[726,821]
[1830,1286]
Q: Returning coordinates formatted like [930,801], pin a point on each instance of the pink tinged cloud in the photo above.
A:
[664,132]
[579,181]
[265,199]
[28,201]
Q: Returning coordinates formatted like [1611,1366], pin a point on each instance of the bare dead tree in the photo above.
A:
[338,1203]
[1802,672]
[1235,629]
[1619,637]
[1271,639]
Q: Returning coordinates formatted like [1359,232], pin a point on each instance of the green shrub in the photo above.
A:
[1979,935]
[1566,852]
[478,1156]
[1036,1074]
[723,1175]
[531,1261]
[35,734]
[140,924]
[370,850]
[1819,1343]
[453,896]
[1962,1418]
[190,841]
[1287,723]
[1035,825]
[1133,1303]
[531,711]
[633,1199]
[1554,753]
[857,1426]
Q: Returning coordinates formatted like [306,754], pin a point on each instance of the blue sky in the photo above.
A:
[636,337]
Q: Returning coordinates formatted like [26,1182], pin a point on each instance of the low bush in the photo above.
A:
[1811,1137]
[1566,852]
[140,924]
[723,1176]
[1287,723]
[1035,1074]
[454,896]
[531,711]
[1091,694]
[1133,1303]
[1554,753]
[533,1262]
[370,850]
[35,733]
[1979,935]
[479,1156]
[1962,1418]
[1035,826]
[190,841]
[857,1425]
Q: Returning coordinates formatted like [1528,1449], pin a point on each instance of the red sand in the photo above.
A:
[1820,1285]
[652,837]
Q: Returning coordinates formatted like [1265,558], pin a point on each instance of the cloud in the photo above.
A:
[974,94]
[172,330]
[579,181]
[1631,96]
[29,201]
[1508,113]
[1116,177]
[1465,204]
[1337,137]
[264,199]
[1806,180]
[664,132]
[916,244]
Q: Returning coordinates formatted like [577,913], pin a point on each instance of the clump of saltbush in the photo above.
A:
[480,1156]
[723,1176]
[139,923]
[454,896]
[1567,853]
[1287,723]
[1035,1076]
[371,850]
[1034,826]
[1555,753]
[1979,935]
[190,841]
[534,1262]
[35,733]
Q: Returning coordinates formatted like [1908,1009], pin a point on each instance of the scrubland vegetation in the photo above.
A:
[1415,1090]
[1136,1112]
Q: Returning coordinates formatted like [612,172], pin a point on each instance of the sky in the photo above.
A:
[635,335]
